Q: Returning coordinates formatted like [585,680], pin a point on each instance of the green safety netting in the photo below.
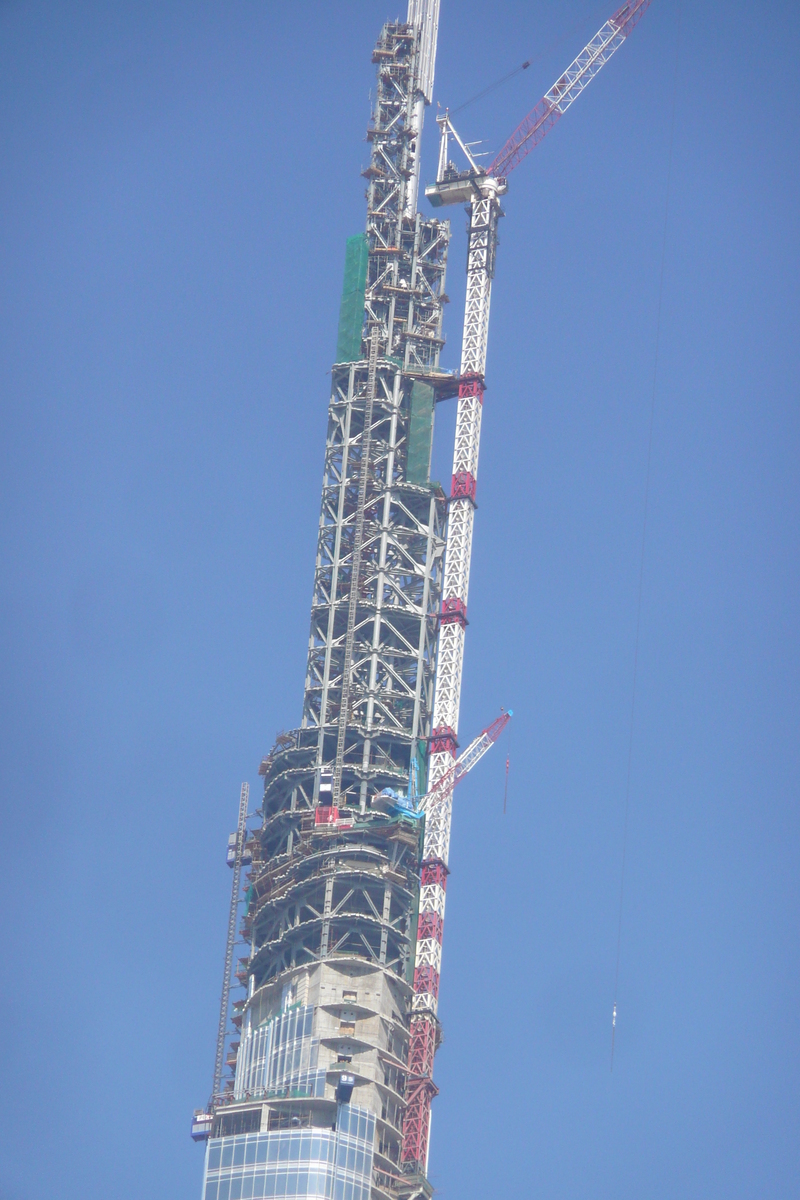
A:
[351,311]
[421,754]
[420,433]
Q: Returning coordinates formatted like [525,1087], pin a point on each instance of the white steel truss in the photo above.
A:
[484,212]
[482,246]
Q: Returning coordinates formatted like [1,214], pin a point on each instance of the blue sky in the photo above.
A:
[177,181]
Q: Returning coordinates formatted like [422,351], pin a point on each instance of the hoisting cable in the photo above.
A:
[644,530]
[523,67]
[492,87]
[505,789]
[508,763]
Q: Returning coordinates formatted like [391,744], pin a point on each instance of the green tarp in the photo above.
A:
[420,432]
[351,311]
[421,753]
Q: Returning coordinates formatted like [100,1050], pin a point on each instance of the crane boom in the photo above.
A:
[568,87]
[465,762]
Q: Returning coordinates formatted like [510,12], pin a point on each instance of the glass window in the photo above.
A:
[306,1157]
[214,1154]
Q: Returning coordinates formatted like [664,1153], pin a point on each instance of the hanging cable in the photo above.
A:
[523,66]
[644,532]
[505,789]
[491,88]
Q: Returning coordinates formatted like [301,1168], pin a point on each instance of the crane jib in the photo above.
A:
[464,764]
[568,87]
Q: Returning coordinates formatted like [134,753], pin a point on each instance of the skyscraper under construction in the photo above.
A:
[316,1104]
[332,1063]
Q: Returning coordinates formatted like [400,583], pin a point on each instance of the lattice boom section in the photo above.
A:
[459,550]
[468,431]
[416,1126]
[421,1090]
[448,684]
[480,271]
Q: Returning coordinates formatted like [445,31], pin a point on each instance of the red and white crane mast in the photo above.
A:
[479,188]
[436,805]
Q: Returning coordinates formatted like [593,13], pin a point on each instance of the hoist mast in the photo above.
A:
[236,886]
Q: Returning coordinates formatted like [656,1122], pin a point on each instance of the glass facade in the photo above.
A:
[313,1163]
[279,1058]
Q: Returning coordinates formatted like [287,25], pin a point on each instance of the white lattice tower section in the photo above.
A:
[484,215]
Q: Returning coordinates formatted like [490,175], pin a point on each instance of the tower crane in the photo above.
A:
[465,762]
[430,802]
[480,189]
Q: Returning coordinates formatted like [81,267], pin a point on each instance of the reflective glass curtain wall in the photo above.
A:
[316,1164]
